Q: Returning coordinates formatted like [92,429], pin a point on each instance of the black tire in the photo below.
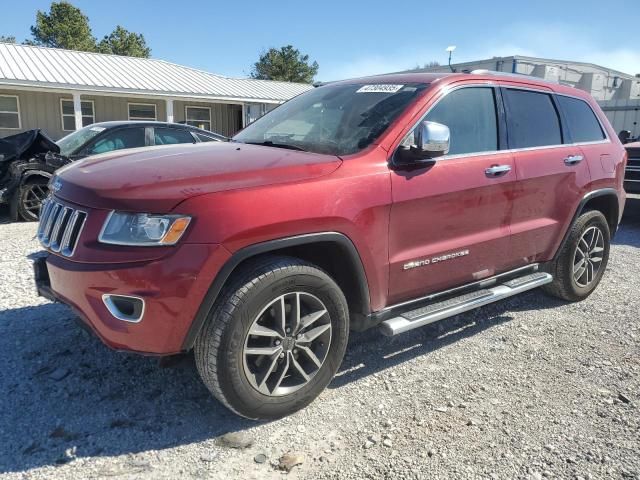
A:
[28,198]
[220,348]
[565,285]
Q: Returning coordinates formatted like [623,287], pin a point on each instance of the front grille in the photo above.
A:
[60,227]
[633,166]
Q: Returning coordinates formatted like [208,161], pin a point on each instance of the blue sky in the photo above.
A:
[351,38]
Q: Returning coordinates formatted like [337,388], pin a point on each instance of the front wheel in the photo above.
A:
[579,267]
[275,338]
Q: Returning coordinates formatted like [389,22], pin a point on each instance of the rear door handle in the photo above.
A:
[497,170]
[573,159]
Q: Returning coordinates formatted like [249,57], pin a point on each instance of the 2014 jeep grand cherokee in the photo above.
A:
[391,201]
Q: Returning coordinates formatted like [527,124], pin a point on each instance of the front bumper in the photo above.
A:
[172,287]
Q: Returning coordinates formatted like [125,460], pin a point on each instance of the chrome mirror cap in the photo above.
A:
[433,138]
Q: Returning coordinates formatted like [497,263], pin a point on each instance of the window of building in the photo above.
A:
[170,136]
[470,114]
[199,117]
[69,118]
[532,119]
[142,111]
[9,112]
[582,122]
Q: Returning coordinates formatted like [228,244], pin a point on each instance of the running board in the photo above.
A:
[463,303]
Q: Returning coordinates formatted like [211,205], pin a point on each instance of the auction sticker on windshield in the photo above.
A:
[384,88]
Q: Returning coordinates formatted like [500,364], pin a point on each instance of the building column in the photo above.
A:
[169,102]
[77,110]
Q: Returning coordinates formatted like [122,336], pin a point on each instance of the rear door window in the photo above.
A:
[532,119]
[470,114]
[170,136]
[119,139]
[582,122]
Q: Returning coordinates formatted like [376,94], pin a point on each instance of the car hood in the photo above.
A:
[156,179]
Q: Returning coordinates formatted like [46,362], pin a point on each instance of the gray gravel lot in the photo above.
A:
[528,388]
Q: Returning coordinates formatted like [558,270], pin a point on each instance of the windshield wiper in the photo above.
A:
[269,143]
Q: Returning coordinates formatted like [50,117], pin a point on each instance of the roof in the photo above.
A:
[25,65]
[408,77]
[432,77]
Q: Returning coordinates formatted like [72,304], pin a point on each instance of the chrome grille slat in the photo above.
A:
[46,209]
[64,243]
[60,227]
[50,225]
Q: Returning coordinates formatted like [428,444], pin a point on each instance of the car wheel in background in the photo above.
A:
[29,197]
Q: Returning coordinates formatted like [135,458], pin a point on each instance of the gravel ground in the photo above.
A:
[528,388]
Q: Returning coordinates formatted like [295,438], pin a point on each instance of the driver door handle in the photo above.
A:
[497,170]
[573,159]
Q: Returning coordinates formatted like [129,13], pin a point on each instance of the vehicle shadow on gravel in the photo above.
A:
[63,389]
[371,352]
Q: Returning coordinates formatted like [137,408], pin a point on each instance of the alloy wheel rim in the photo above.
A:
[35,195]
[587,259]
[287,344]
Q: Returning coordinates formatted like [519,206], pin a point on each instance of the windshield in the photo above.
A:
[70,144]
[335,119]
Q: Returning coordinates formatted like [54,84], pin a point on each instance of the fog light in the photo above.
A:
[124,307]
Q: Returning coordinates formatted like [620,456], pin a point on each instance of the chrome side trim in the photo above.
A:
[115,311]
[532,268]
[397,325]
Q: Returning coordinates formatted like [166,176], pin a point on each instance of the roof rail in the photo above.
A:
[484,71]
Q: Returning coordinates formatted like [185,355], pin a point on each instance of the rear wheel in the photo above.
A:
[275,338]
[29,197]
[579,267]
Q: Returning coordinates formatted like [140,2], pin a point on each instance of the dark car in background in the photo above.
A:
[25,173]
[632,172]
[108,136]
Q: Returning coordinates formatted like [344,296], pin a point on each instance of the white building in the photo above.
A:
[61,90]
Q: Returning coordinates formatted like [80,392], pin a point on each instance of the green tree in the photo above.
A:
[7,39]
[286,64]
[64,26]
[431,64]
[123,42]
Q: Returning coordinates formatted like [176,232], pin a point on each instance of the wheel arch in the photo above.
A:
[604,200]
[332,251]
[34,173]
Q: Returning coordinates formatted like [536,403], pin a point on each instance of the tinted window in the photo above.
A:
[119,139]
[582,122]
[338,118]
[532,119]
[470,114]
[169,136]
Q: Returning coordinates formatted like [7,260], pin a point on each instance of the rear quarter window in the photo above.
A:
[581,120]
[532,119]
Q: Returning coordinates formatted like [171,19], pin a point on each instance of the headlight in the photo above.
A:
[143,229]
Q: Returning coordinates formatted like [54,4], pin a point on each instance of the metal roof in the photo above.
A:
[25,65]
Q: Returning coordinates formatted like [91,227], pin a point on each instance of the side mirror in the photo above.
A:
[430,140]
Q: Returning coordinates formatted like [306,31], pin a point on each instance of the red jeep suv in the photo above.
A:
[391,201]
